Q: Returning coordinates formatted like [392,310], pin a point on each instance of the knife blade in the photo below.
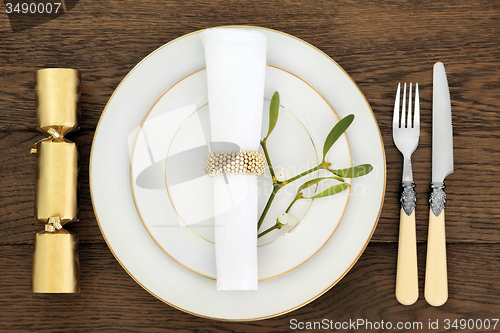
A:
[436,276]
[442,133]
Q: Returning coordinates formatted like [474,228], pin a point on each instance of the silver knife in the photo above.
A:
[436,279]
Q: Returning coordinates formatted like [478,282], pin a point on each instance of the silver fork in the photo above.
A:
[405,134]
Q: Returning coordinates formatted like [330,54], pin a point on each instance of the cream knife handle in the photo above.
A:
[407,271]
[436,277]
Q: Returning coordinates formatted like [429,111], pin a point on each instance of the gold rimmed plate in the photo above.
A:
[174,198]
[148,264]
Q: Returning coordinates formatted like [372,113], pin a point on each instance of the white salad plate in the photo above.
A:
[137,248]
[174,197]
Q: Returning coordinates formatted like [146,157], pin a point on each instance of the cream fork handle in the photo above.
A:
[436,277]
[407,271]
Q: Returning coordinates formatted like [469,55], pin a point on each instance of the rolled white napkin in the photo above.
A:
[236,63]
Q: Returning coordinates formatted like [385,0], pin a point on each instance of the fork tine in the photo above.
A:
[416,119]
[395,117]
[409,123]
[403,112]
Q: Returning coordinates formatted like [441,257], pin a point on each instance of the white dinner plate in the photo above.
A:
[174,197]
[148,264]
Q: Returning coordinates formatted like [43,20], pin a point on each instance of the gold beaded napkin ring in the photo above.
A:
[247,162]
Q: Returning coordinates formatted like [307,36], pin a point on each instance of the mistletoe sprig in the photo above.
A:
[338,174]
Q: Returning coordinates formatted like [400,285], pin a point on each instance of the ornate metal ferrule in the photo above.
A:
[408,198]
[437,199]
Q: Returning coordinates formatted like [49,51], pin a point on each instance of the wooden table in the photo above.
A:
[379,43]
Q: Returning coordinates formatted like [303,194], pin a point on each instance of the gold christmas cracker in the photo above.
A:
[56,267]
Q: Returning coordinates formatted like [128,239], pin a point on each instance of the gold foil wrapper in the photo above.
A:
[57,98]
[56,267]
[56,180]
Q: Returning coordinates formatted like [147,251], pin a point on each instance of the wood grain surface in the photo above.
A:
[379,43]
